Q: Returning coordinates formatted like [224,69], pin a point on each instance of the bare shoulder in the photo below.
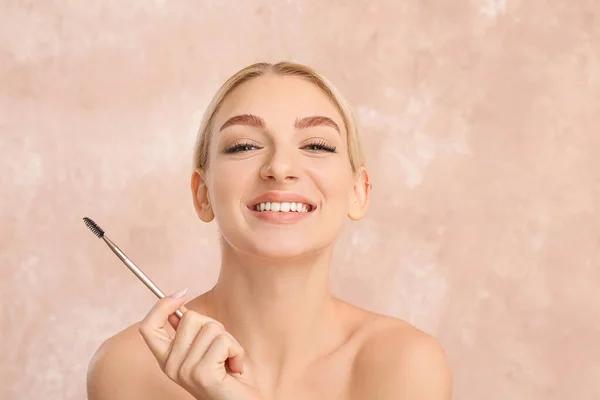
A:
[398,361]
[124,368]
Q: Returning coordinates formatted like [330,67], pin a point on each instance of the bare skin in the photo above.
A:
[369,353]
[272,295]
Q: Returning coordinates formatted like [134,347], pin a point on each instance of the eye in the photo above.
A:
[240,147]
[320,146]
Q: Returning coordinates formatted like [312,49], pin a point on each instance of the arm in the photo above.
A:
[402,367]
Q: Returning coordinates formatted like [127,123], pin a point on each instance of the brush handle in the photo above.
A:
[138,272]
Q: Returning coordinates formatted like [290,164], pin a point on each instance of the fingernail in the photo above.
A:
[179,294]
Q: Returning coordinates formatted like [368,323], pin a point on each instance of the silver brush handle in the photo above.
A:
[138,272]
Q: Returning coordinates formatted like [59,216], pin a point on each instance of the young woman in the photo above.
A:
[278,164]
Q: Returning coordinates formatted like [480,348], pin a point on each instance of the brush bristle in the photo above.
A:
[93,227]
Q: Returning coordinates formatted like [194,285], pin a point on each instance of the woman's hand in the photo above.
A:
[201,356]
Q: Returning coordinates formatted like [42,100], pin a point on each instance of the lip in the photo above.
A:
[281,197]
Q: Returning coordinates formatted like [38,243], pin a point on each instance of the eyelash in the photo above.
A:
[317,146]
[237,147]
[321,145]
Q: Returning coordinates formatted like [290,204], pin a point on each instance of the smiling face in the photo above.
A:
[279,183]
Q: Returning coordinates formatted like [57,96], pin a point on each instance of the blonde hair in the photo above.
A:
[285,68]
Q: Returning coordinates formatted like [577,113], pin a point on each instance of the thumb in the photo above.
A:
[152,327]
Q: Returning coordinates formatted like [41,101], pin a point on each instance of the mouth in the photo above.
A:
[282,202]
[282,207]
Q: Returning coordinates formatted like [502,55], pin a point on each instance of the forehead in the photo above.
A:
[278,99]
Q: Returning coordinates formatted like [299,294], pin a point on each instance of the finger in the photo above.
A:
[162,309]
[152,327]
[224,348]
[174,319]
[189,326]
[208,332]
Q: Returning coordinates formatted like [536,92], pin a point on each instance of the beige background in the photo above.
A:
[482,127]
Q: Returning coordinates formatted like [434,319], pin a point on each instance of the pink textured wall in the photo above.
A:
[482,122]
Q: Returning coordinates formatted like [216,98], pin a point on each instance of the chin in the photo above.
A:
[280,249]
[276,246]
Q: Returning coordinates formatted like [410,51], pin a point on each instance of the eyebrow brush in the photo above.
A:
[134,268]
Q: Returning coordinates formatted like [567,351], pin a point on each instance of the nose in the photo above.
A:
[279,167]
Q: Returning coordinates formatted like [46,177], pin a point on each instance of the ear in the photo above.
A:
[200,195]
[361,193]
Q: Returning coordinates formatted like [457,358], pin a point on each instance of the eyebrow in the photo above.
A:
[300,123]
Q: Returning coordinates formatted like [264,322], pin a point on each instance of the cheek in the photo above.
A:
[335,184]
[225,183]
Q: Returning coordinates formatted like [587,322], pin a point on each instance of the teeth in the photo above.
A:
[282,207]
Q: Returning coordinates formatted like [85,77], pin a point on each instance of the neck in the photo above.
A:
[275,309]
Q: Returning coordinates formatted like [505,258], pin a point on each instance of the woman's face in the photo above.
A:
[279,181]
